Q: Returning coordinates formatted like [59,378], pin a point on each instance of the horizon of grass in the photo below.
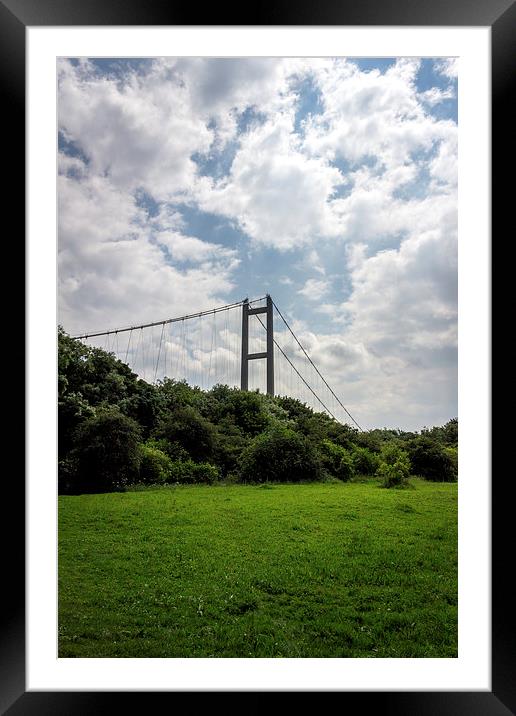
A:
[275,570]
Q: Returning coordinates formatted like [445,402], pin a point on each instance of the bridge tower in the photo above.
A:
[268,354]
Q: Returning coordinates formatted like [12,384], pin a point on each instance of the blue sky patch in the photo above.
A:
[119,66]
[367,64]
[217,164]
[145,201]
[250,117]
[310,101]
[70,148]
[427,78]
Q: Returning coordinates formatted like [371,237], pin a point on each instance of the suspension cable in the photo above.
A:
[317,370]
[213,311]
[168,320]
[299,374]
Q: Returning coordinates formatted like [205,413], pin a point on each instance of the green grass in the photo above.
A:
[319,570]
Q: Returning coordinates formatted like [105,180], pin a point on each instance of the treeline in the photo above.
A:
[116,429]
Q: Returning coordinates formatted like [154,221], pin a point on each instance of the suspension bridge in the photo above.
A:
[248,344]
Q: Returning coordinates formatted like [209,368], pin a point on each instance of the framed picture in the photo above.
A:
[27,39]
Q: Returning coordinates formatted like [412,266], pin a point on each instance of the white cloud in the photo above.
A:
[443,167]
[369,114]
[221,88]
[282,189]
[372,171]
[313,260]
[314,289]
[448,67]
[278,196]
[70,166]
[112,273]
[189,248]
[435,95]
[140,132]
[401,322]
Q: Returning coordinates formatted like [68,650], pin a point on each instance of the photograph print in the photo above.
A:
[257,357]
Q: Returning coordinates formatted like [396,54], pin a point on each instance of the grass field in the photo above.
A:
[318,570]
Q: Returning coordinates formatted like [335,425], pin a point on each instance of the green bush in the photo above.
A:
[446,434]
[155,465]
[365,462]
[185,429]
[188,472]
[345,470]
[433,461]
[336,460]
[67,472]
[453,454]
[394,467]
[230,441]
[247,410]
[106,447]
[279,455]
[173,450]
[392,475]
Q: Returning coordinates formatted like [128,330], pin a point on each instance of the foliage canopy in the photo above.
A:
[116,429]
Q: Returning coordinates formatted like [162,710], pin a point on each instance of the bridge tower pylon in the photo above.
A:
[268,355]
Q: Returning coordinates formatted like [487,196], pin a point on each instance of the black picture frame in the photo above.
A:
[15,17]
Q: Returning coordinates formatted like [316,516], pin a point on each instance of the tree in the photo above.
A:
[145,405]
[431,460]
[365,462]
[245,409]
[155,465]
[186,429]
[394,467]
[337,460]
[230,442]
[177,393]
[279,455]
[72,407]
[87,378]
[447,434]
[107,452]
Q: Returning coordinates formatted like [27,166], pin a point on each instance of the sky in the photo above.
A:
[330,183]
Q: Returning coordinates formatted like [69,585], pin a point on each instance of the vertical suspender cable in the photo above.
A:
[128,344]
[211,349]
[159,353]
